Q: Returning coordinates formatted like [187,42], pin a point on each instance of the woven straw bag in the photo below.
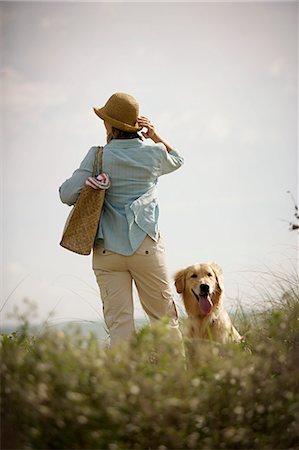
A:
[82,223]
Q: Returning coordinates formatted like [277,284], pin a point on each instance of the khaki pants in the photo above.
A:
[115,274]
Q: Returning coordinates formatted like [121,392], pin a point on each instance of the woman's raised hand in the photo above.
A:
[145,122]
[151,132]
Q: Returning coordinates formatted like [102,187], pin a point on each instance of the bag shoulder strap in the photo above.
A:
[99,155]
[101,159]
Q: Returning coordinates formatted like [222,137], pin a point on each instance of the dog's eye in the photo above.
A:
[209,274]
[194,275]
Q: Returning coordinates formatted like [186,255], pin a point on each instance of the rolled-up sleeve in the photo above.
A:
[169,161]
[70,190]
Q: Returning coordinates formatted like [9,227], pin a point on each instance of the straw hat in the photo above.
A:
[121,111]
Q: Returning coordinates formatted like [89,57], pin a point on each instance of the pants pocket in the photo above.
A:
[107,309]
[99,257]
[150,247]
[171,309]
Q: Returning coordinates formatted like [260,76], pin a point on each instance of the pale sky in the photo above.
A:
[219,81]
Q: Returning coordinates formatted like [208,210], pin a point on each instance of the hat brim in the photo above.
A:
[115,123]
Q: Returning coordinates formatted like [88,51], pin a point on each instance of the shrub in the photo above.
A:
[66,391]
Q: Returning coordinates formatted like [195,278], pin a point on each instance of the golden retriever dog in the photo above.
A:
[201,286]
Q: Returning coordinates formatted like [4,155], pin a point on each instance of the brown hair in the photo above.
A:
[120,134]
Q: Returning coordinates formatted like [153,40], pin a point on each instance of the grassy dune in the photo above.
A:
[62,391]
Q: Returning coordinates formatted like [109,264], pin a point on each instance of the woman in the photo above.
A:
[128,245]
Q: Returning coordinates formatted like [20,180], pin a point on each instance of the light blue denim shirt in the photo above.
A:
[130,210]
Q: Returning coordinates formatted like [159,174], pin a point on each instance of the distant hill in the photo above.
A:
[97,327]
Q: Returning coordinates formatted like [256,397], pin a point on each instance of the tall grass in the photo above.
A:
[66,391]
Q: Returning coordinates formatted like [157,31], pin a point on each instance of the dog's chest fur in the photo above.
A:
[217,326]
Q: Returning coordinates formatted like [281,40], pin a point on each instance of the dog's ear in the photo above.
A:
[179,281]
[218,273]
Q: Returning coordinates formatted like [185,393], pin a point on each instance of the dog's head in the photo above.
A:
[203,283]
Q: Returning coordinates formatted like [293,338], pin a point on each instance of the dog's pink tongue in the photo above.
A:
[205,303]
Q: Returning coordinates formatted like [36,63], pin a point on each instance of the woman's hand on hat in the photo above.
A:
[151,132]
[146,123]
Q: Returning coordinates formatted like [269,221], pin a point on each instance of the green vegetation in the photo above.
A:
[66,391]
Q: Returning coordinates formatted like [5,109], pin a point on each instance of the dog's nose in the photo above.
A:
[204,289]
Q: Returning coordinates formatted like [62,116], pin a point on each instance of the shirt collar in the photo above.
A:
[125,142]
